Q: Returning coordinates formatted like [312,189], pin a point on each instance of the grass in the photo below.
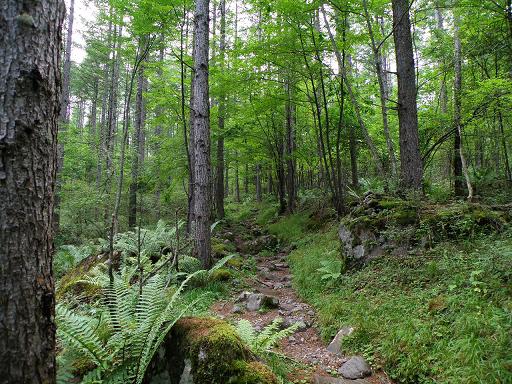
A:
[443,317]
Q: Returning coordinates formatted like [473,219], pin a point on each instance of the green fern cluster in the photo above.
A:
[263,343]
[117,344]
[152,241]
[68,256]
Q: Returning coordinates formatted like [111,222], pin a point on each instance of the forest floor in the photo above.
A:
[306,352]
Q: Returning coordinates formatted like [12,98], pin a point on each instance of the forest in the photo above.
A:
[255,191]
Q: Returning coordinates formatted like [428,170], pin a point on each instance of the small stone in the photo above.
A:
[355,368]
[237,309]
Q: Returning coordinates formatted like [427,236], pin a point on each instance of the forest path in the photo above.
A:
[274,280]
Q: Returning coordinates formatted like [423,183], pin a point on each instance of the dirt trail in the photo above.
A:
[273,279]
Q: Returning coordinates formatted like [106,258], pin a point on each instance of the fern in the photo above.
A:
[263,343]
[136,322]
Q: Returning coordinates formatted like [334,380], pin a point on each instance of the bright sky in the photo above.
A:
[85,12]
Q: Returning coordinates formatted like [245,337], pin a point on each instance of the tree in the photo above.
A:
[30,86]
[411,172]
[201,128]
[219,187]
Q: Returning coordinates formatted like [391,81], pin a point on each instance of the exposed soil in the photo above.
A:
[273,278]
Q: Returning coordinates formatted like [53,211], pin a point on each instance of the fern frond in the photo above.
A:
[78,333]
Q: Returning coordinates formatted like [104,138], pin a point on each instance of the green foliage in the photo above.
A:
[440,317]
[118,343]
[69,256]
[291,228]
[331,270]
[263,343]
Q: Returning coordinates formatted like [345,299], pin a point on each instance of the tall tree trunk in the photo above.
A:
[29,113]
[355,104]
[112,110]
[237,179]
[219,189]
[411,167]
[457,103]
[138,147]
[64,111]
[381,77]
[201,111]
[66,70]
[257,182]
[290,147]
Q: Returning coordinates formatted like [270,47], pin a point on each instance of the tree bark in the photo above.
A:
[30,41]
[138,147]
[411,172]
[201,111]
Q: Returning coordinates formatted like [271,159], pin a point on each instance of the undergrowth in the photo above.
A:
[443,317]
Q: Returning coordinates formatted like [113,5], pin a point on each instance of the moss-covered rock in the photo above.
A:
[209,351]
[381,224]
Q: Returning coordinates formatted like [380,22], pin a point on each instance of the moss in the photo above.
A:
[212,346]
[236,262]
[219,249]
[222,274]
[252,372]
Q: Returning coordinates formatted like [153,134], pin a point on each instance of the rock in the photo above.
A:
[256,301]
[187,377]
[290,321]
[318,379]
[237,309]
[243,296]
[355,368]
[335,345]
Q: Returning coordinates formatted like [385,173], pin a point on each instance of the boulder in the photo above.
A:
[257,301]
[335,345]
[207,350]
[355,368]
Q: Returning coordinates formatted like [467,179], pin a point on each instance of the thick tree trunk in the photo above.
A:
[411,172]
[219,189]
[201,111]
[30,41]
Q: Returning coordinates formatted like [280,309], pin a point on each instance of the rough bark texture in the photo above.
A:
[411,172]
[201,126]
[30,40]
